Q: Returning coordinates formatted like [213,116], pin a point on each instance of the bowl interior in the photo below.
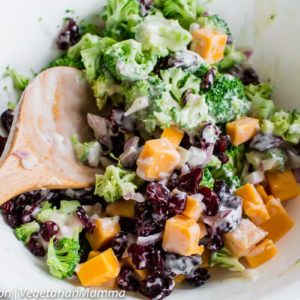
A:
[27,45]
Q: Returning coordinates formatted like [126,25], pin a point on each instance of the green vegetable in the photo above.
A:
[255,158]
[64,217]
[215,23]
[24,232]
[282,121]
[160,35]
[267,127]
[293,134]
[121,18]
[185,11]
[262,106]
[226,99]
[65,61]
[180,82]
[126,61]
[232,57]
[225,259]
[279,156]
[207,179]
[20,82]
[115,183]
[63,257]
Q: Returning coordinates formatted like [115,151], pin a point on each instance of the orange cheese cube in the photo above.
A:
[121,208]
[181,236]
[283,185]
[209,44]
[242,130]
[246,236]
[139,274]
[280,222]
[105,230]
[253,204]
[261,253]
[203,230]
[100,269]
[205,258]
[193,208]
[179,279]
[262,192]
[157,160]
[173,134]
[93,254]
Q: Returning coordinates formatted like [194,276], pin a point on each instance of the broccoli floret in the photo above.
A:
[232,57]
[160,35]
[282,121]
[116,183]
[215,23]
[262,106]
[65,61]
[24,232]
[180,82]
[185,11]
[226,99]
[207,179]
[64,217]
[88,152]
[121,18]
[126,61]
[293,134]
[20,82]
[225,259]
[63,257]
[280,158]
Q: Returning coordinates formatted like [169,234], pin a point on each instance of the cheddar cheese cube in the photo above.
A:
[203,230]
[261,253]
[181,236]
[246,236]
[179,279]
[280,222]
[193,208]
[105,230]
[283,185]
[99,270]
[173,134]
[93,254]
[253,204]
[121,208]
[139,274]
[262,192]
[209,44]
[157,160]
[242,130]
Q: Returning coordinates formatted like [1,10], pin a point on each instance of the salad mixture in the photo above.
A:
[198,161]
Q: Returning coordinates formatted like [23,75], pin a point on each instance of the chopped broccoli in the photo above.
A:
[207,179]
[279,157]
[215,23]
[185,11]
[24,232]
[65,217]
[66,61]
[232,57]
[180,82]
[282,121]
[126,61]
[226,99]
[293,134]
[87,152]
[20,82]
[63,257]
[262,106]
[225,259]
[160,35]
[115,183]
[121,18]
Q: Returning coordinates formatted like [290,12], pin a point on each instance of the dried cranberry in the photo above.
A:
[160,214]
[147,228]
[3,141]
[221,146]
[221,189]
[190,181]
[142,212]
[88,225]
[208,79]
[155,261]
[215,243]
[119,244]
[157,194]
[27,213]
[211,201]
[126,280]
[157,287]
[7,118]
[13,221]
[173,181]
[138,256]
[7,207]
[186,142]
[69,36]
[177,203]
[249,76]
[199,277]
[127,224]
[34,245]
[145,6]
[48,230]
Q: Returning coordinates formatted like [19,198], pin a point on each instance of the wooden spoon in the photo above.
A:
[39,153]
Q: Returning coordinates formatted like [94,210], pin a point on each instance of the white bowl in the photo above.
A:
[27,32]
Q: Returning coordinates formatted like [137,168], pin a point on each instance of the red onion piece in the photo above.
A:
[149,240]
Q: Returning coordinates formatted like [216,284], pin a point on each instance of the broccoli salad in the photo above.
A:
[198,161]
